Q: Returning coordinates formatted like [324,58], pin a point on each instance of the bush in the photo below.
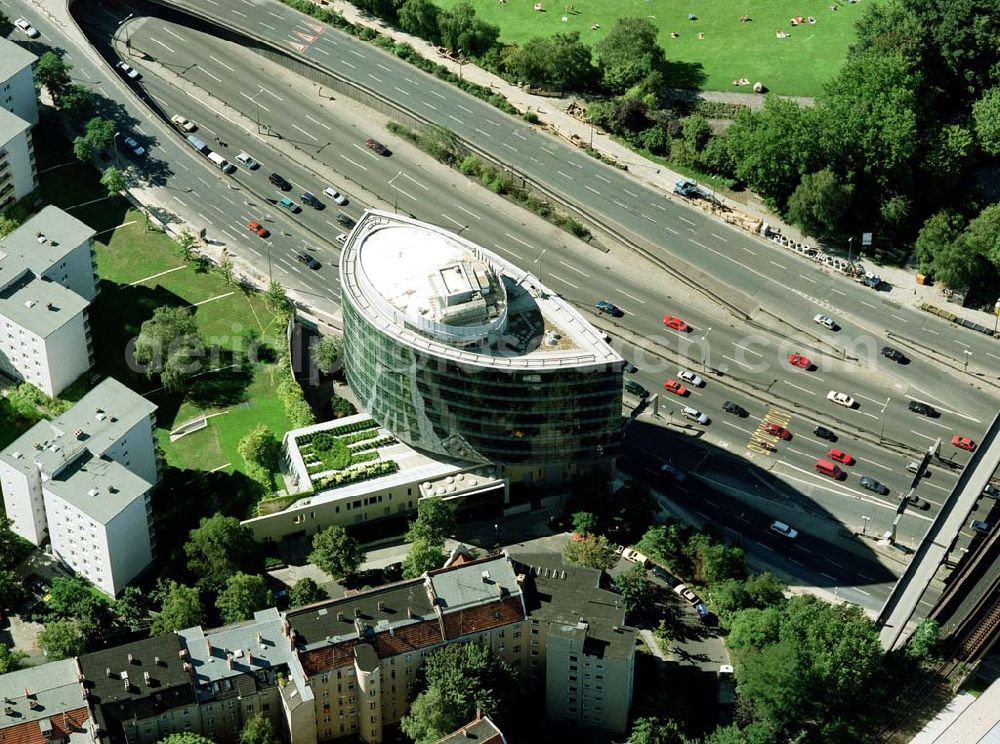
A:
[374,470]
[291,396]
[341,407]
[471,165]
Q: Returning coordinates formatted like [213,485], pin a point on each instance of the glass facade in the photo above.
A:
[547,416]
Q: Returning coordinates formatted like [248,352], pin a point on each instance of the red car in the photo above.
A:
[797,360]
[376,146]
[671,321]
[777,431]
[675,387]
[254,226]
[963,443]
[840,456]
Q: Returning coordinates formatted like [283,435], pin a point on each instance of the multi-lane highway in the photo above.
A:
[295,128]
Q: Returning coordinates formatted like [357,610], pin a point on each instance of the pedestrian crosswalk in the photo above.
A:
[764,443]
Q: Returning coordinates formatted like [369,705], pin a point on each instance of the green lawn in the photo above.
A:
[798,65]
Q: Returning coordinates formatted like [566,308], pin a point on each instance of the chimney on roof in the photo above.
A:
[186,666]
[183,653]
[145,678]
[357,612]
[409,613]
[7,710]
[249,658]
[521,579]
[381,606]
[131,659]
[49,306]
[486,577]
[285,628]
[260,638]
[229,660]
[107,671]
[125,681]
[208,642]
[156,661]
[340,616]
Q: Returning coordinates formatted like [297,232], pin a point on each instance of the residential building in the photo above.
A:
[45,704]
[17,81]
[461,354]
[82,481]
[324,501]
[480,731]
[18,172]
[47,281]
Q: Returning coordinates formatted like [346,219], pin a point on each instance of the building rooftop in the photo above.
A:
[39,692]
[13,59]
[480,731]
[572,601]
[11,125]
[458,587]
[444,295]
[38,304]
[95,423]
[98,486]
[41,242]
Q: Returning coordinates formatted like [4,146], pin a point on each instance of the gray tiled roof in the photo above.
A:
[53,687]
[462,588]
[13,59]
[11,125]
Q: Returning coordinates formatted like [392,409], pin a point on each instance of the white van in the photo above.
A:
[224,165]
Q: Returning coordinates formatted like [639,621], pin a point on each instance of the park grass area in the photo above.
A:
[795,66]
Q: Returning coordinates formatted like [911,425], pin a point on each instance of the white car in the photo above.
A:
[690,377]
[841,399]
[183,122]
[783,529]
[137,149]
[249,162]
[30,31]
[683,591]
[342,238]
[635,556]
[694,414]
[127,70]
[825,320]
[335,195]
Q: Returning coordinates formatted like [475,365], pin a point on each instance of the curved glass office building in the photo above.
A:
[460,353]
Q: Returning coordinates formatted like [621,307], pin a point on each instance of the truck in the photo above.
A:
[690,189]
[727,685]
[198,144]
[223,165]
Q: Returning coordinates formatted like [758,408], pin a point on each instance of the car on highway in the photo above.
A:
[840,456]
[342,238]
[694,414]
[183,123]
[672,321]
[841,399]
[894,354]
[825,320]
[991,491]
[606,306]
[279,181]
[289,205]
[128,71]
[823,433]
[307,197]
[783,529]
[776,430]
[30,31]
[344,220]
[735,409]
[377,147]
[248,162]
[690,377]
[918,503]
[672,471]
[682,591]
[633,387]
[829,469]
[629,367]
[963,443]
[308,260]
[802,362]
[672,386]
[137,149]
[256,227]
[922,408]
[337,197]
[979,525]
[866,481]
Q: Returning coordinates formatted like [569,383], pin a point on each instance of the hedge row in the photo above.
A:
[375,469]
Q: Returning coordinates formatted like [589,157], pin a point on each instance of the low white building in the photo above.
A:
[17,81]
[18,172]
[82,481]
[47,281]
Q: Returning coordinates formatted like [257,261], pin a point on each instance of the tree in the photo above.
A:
[924,639]
[76,102]
[61,639]
[326,353]
[180,608]
[226,269]
[561,60]
[935,248]
[982,236]
[259,449]
[168,344]
[656,731]
[53,74]
[11,589]
[185,738]
[819,203]
[463,32]
[948,159]
[113,180]
[696,131]
[219,548]
[664,542]
[584,523]
[420,18]
[435,521]
[335,552]
[257,730]
[13,547]
[461,679]
[633,509]
[187,242]
[631,115]
[99,134]
[629,53]
[132,607]
[636,589]
[276,299]
[986,115]
[11,659]
[718,562]
[592,551]
[306,591]
[423,556]
[242,597]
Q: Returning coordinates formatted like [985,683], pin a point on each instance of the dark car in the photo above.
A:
[608,307]
[991,491]
[703,614]
[665,576]
[393,572]
[922,408]
[733,408]
[311,200]
[280,182]
[308,260]
[344,220]
[377,147]
[823,433]
[866,481]
[894,354]
[633,387]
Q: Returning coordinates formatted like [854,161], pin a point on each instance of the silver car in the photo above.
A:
[694,414]
[690,377]
[825,320]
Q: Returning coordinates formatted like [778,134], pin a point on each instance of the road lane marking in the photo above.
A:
[468,211]
[470,111]
[219,62]
[348,64]
[452,219]
[960,343]
[429,105]
[176,36]
[455,118]
[631,297]
[700,245]
[550,152]
[507,250]
[575,165]
[647,217]
[251,98]
[803,276]
[660,207]
[942,409]
[670,230]
[411,82]
[833,563]
[434,92]
[314,121]
[739,346]
[630,193]
[236,12]
[404,92]
[872,400]
[868,304]
[356,53]
[554,276]
[307,134]
[352,162]
[838,291]
[526,245]
[928,330]
[775,263]
[808,392]
[742,364]
[379,64]
[598,175]
[520,136]
[218,80]
[740,428]
[724,240]
[860,590]
[485,134]
[590,188]
[904,320]
[573,268]
[684,219]
[376,79]
[273,28]
[410,196]
[762,545]
[564,175]
[512,149]
[876,464]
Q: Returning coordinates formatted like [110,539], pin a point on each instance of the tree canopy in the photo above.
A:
[62,639]
[629,53]
[168,344]
[336,552]
[242,597]
[306,591]
[218,548]
[435,521]
[593,551]
[180,608]
[423,556]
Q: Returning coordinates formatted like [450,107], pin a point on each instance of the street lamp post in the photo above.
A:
[461,64]
[395,193]
[704,351]
[864,524]
[254,99]
[118,157]
[270,278]
[968,356]
[881,428]
[850,249]
[128,34]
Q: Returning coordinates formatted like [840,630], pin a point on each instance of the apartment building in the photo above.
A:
[47,281]
[82,481]
[45,704]
[17,82]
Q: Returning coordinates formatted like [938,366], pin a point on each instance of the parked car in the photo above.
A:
[776,430]
[308,260]
[344,220]
[342,238]
[30,31]
[128,71]
[783,529]
[610,308]
[633,387]
[823,433]
[735,409]
[963,443]
[289,205]
[635,556]
[922,408]
[694,414]
[137,149]
[629,367]
[256,227]
[672,386]
[672,321]
[979,525]
[703,614]
[894,354]
[991,491]
[280,182]
[337,197]
[375,146]
[690,377]
[183,123]
[866,481]
[825,320]
[690,596]
[248,162]
[841,399]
